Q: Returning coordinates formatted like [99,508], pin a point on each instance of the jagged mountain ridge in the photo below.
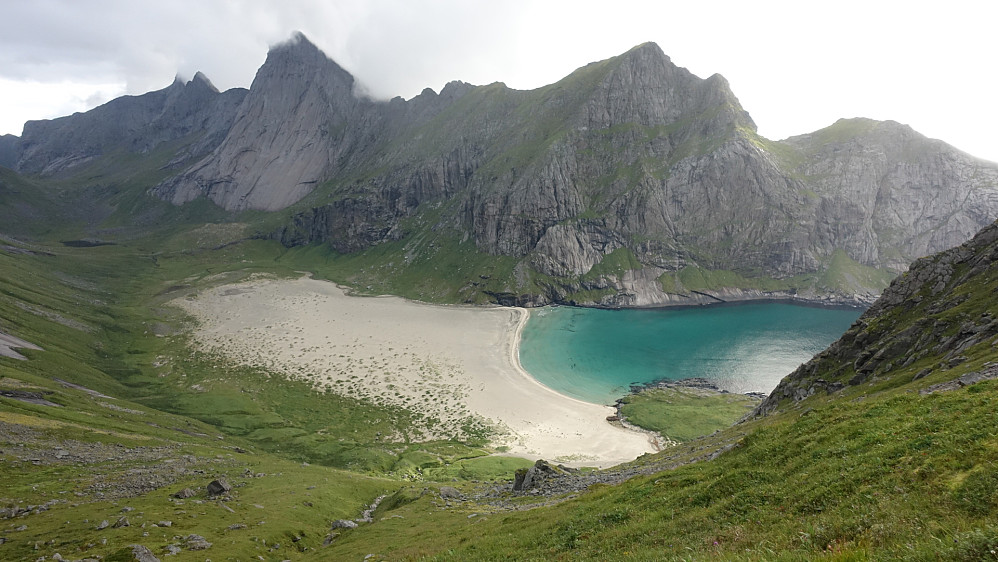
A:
[631,156]
[194,110]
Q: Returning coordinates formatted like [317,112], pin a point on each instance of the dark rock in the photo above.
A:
[535,476]
[218,487]
[121,522]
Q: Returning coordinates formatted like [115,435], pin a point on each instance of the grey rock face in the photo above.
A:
[290,129]
[881,183]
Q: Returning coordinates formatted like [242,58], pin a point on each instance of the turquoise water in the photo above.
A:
[595,355]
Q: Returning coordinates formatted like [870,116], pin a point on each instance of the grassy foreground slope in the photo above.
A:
[116,412]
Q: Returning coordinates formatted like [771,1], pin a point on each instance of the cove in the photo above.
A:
[596,355]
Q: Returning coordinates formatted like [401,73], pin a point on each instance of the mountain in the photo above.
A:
[194,112]
[630,182]
[632,158]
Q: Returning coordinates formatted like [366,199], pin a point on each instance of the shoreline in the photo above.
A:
[444,361]
[775,299]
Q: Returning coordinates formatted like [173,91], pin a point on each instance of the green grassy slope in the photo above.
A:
[899,477]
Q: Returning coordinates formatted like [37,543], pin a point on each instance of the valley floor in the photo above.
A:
[453,364]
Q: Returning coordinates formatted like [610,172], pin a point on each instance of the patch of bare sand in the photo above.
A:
[453,363]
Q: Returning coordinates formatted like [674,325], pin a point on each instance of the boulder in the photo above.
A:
[534,477]
[218,487]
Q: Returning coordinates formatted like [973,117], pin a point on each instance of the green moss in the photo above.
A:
[842,273]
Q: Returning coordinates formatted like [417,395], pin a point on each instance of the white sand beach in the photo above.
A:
[449,362]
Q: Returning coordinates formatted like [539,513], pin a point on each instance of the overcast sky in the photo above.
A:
[796,66]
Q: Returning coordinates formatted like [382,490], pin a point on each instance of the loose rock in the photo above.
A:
[217,487]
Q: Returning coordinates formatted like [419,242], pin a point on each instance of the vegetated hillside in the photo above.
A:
[902,464]
[936,320]
[110,411]
[874,470]
[629,182]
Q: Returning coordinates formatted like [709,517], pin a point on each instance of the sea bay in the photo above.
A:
[596,354]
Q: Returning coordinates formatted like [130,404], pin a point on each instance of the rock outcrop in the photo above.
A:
[926,323]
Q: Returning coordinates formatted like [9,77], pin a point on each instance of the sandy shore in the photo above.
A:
[451,363]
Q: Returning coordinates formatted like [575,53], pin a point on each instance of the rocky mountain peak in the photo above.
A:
[644,86]
[201,81]
[298,96]
[294,68]
[648,52]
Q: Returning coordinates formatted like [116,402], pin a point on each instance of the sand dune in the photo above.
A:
[449,362]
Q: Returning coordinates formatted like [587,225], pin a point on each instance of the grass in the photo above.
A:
[683,414]
[839,275]
[881,480]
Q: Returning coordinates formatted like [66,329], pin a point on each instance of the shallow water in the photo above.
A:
[596,355]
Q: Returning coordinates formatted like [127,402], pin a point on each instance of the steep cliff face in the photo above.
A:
[627,157]
[196,111]
[881,183]
[291,128]
[639,154]
[936,322]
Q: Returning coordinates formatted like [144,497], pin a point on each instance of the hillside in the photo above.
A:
[115,413]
